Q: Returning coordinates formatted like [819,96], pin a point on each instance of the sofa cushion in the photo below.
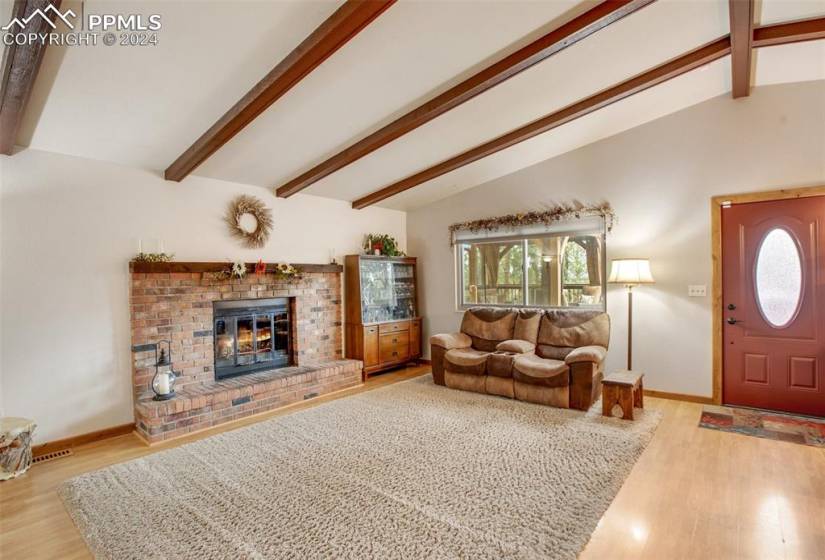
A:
[488,326]
[527,325]
[452,340]
[553,352]
[595,354]
[535,370]
[516,346]
[574,328]
[466,360]
[563,330]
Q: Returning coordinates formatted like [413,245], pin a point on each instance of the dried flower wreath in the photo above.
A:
[255,207]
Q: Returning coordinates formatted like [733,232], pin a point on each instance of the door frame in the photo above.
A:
[716,205]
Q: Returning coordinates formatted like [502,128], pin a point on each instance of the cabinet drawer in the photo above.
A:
[395,339]
[394,327]
[395,354]
[394,347]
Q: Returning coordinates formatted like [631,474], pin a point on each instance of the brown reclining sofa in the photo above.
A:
[553,357]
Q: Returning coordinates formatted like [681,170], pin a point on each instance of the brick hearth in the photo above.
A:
[201,406]
[173,305]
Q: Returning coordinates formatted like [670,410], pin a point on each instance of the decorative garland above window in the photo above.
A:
[561,212]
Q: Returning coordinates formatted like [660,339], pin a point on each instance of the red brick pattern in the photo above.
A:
[178,307]
[203,406]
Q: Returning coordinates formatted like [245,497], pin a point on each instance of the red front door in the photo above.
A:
[773,275]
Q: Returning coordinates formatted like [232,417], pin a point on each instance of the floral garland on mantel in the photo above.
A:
[546,217]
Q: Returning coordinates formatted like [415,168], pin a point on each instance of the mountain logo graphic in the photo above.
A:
[42,13]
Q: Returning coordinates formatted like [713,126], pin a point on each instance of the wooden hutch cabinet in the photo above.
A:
[383,328]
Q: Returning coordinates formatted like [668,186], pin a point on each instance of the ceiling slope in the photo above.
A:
[779,33]
[560,38]
[655,76]
[346,22]
[144,106]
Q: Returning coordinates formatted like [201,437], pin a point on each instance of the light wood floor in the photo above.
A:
[694,493]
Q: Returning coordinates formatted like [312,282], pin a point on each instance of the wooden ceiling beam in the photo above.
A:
[559,39]
[741,38]
[331,35]
[21,64]
[671,69]
[790,32]
[764,36]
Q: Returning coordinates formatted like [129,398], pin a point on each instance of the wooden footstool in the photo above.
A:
[625,389]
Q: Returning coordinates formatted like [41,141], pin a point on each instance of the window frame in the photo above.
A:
[525,280]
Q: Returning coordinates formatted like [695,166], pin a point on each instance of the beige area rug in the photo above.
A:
[413,470]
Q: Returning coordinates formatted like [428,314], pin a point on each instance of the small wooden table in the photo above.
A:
[624,388]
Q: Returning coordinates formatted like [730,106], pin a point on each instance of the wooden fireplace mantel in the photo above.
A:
[198,267]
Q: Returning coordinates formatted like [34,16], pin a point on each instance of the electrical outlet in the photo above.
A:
[699,290]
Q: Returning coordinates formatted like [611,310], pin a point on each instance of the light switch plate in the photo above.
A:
[697,290]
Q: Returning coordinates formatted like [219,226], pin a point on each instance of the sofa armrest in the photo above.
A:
[585,384]
[452,340]
[516,346]
[595,354]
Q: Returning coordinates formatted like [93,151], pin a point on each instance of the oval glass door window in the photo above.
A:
[778,277]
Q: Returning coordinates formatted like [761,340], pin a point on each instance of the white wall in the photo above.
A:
[659,177]
[69,228]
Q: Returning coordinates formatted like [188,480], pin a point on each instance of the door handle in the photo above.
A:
[733,321]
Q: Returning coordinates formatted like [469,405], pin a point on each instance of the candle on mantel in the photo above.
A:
[140,246]
[163,383]
[161,246]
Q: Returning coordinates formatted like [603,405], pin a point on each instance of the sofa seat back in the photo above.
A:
[562,331]
[527,323]
[487,326]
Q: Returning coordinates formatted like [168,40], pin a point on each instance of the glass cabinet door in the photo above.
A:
[404,290]
[387,290]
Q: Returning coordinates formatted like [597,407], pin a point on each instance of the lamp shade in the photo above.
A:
[630,272]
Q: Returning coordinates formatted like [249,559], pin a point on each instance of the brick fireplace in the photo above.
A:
[181,301]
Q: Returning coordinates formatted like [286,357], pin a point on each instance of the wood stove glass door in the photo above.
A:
[246,340]
[282,335]
[263,337]
[225,342]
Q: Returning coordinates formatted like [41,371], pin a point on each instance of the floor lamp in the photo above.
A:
[630,272]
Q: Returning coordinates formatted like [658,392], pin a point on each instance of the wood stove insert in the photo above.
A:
[251,335]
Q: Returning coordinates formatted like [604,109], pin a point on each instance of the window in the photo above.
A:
[778,278]
[551,270]
[493,273]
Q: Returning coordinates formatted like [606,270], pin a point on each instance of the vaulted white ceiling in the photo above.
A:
[144,106]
